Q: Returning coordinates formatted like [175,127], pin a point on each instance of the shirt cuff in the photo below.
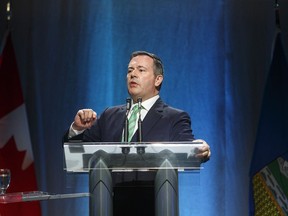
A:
[73,132]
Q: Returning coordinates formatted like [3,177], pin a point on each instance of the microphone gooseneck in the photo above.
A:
[139,101]
[126,125]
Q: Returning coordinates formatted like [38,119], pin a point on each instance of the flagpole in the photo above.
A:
[277,23]
[277,15]
[8,25]
[8,14]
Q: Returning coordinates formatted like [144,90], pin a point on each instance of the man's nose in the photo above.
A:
[133,73]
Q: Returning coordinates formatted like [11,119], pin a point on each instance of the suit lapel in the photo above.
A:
[152,117]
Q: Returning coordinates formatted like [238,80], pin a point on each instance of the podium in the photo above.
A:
[100,160]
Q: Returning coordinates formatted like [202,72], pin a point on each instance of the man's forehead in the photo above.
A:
[141,60]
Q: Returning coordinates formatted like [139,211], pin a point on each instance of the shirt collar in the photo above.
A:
[147,104]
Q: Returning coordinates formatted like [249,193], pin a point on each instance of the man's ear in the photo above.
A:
[158,80]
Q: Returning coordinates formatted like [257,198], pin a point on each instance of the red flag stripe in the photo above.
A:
[10,87]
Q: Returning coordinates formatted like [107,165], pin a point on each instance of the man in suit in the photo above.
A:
[160,122]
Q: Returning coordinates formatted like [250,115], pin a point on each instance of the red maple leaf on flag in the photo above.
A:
[13,159]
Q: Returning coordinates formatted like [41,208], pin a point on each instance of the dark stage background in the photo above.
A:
[73,54]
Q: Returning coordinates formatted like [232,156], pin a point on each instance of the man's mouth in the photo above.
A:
[132,84]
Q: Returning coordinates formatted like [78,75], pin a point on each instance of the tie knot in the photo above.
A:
[135,109]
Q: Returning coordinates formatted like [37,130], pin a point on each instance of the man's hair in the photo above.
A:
[158,66]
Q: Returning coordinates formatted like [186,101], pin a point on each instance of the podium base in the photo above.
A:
[134,198]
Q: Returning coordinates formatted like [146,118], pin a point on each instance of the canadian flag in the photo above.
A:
[15,144]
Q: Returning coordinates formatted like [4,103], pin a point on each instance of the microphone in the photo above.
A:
[128,105]
[140,149]
[139,101]
[126,130]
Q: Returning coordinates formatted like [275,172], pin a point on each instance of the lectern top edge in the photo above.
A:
[132,156]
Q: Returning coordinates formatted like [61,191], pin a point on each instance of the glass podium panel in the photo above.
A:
[131,156]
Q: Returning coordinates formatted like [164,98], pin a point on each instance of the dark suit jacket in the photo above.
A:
[162,123]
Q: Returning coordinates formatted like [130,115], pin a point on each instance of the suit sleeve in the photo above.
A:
[181,128]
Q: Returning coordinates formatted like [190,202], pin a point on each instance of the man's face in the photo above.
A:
[141,81]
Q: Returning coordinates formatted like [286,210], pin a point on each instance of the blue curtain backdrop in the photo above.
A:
[73,54]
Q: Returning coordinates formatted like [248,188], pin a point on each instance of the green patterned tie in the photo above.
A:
[132,122]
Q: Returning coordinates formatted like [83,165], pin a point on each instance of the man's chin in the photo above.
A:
[134,95]
[133,92]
